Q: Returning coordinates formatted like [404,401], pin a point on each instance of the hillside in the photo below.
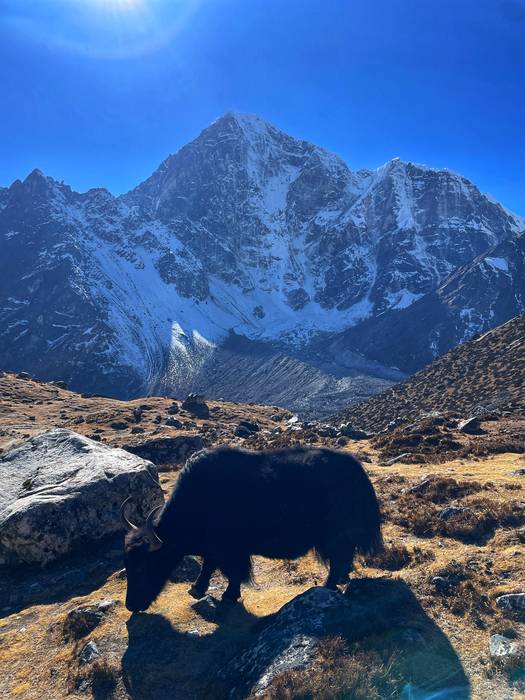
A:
[416,622]
[481,376]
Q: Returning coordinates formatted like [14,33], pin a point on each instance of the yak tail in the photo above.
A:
[370,540]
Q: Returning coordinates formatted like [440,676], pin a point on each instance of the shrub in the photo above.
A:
[392,558]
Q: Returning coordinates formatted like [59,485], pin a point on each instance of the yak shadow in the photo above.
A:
[383,617]
[162,662]
[74,575]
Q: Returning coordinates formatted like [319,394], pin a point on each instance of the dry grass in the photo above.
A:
[394,557]
[339,673]
[486,554]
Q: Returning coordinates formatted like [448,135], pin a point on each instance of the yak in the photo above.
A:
[230,504]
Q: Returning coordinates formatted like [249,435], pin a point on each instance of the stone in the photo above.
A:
[59,384]
[173,409]
[251,425]
[470,426]
[421,487]
[405,457]
[276,417]
[137,430]
[348,430]
[453,512]
[295,631]
[195,404]
[23,375]
[174,423]
[511,602]
[137,414]
[518,472]
[242,432]
[89,653]
[61,490]
[119,425]
[167,450]
[504,651]
[293,420]
[84,618]
[444,585]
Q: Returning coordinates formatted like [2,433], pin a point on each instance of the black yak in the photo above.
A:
[230,504]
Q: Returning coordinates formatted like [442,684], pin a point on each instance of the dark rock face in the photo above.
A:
[168,451]
[247,228]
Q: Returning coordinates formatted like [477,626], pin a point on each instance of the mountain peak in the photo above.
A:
[34,175]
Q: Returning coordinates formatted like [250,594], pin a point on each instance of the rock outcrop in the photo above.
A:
[62,491]
[289,642]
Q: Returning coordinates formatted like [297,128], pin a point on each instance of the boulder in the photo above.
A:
[511,602]
[242,432]
[290,641]
[119,425]
[251,425]
[84,618]
[504,652]
[348,430]
[470,426]
[195,404]
[88,653]
[59,384]
[174,423]
[61,490]
[167,450]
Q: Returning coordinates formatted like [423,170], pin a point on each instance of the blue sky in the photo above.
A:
[98,92]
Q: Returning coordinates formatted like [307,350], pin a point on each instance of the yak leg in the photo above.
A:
[199,588]
[237,570]
[341,563]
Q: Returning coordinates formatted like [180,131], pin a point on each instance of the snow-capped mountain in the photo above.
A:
[245,229]
[477,297]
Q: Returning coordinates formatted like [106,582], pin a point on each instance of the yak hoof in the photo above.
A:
[197,593]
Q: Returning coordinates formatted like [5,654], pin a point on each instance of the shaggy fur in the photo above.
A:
[230,504]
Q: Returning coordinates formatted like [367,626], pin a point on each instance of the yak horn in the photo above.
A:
[127,523]
[155,540]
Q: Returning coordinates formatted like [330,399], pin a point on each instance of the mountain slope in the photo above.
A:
[481,375]
[478,296]
[244,229]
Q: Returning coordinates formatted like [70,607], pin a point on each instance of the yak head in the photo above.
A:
[148,561]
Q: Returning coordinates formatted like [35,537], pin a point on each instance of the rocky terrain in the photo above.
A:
[438,614]
[247,230]
[482,377]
